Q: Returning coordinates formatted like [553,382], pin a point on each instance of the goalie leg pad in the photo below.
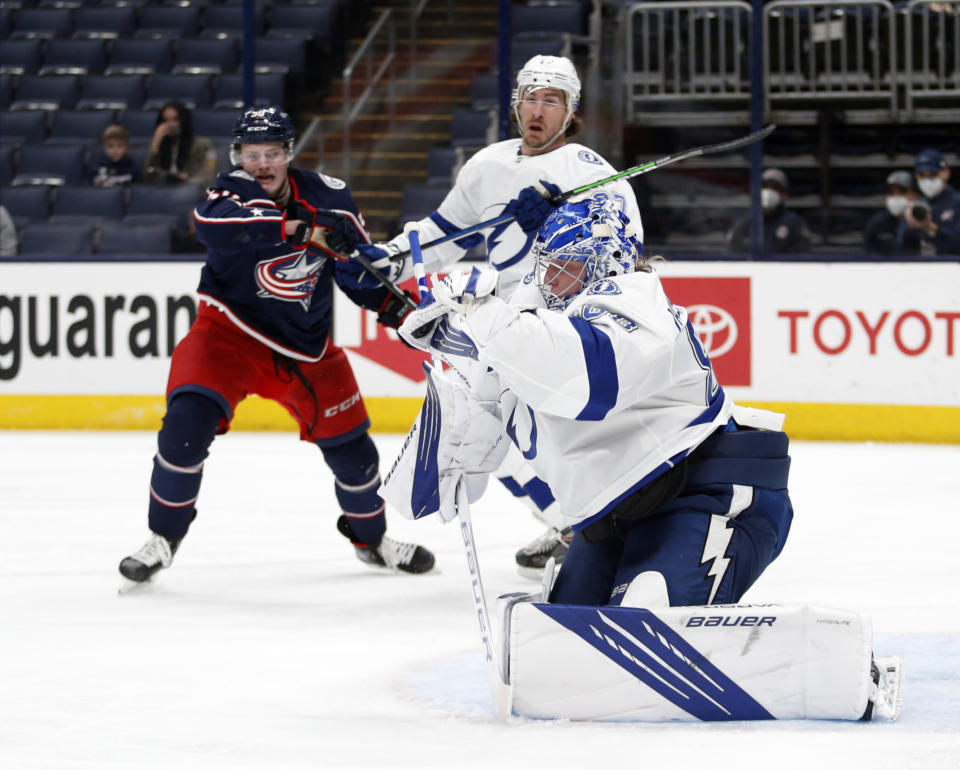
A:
[712,663]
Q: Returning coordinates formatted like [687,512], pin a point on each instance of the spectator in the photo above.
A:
[176,155]
[784,232]
[114,165]
[9,243]
[880,234]
[931,226]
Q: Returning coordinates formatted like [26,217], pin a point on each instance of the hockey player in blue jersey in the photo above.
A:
[274,238]
[677,496]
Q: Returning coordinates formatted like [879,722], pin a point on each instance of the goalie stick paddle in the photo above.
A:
[643,168]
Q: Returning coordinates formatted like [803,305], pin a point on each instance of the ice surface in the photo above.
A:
[269,645]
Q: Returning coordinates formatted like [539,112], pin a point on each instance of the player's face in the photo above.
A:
[564,277]
[267,163]
[542,113]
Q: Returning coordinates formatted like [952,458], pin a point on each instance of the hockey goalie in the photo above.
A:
[676,496]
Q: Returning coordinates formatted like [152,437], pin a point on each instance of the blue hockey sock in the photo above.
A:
[189,427]
[355,465]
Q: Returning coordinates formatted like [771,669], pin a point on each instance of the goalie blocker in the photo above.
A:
[712,663]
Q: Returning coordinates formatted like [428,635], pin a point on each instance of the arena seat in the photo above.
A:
[86,203]
[48,238]
[193,90]
[41,164]
[168,21]
[142,238]
[42,23]
[21,57]
[268,89]
[80,126]
[29,126]
[111,92]
[74,57]
[109,23]
[211,57]
[140,57]
[46,92]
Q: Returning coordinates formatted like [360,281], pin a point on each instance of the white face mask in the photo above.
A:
[896,204]
[769,199]
[931,187]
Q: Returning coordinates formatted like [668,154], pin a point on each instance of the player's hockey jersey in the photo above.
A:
[276,292]
[487,182]
[603,397]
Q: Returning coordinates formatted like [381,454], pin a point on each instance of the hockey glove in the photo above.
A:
[333,233]
[394,310]
[417,328]
[465,291]
[533,205]
[354,275]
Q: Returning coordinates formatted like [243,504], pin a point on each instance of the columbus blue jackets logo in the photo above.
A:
[289,278]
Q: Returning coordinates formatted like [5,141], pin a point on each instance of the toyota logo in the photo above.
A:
[715,327]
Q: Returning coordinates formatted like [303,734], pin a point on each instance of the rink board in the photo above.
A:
[848,351]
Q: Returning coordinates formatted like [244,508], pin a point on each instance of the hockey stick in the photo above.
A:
[499,689]
[643,168]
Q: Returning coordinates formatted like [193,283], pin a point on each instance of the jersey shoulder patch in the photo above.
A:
[332,182]
[588,156]
[605,287]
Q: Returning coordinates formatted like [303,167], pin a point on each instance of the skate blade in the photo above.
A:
[128,587]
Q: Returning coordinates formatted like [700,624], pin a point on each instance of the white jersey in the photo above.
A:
[484,186]
[603,397]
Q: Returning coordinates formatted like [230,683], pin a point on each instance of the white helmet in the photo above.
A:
[550,72]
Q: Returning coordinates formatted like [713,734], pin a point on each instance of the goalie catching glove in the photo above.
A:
[335,233]
[459,292]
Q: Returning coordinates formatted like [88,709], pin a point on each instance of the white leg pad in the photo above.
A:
[728,662]
[648,589]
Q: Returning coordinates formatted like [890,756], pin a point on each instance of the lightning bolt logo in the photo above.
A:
[719,534]
[718,538]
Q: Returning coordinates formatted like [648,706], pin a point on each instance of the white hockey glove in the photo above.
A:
[418,326]
[465,291]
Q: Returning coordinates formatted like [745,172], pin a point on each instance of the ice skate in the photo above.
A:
[886,696]
[156,554]
[532,558]
[390,553]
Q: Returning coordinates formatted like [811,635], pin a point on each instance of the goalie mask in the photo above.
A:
[548,72]
[262,125]
[579,244]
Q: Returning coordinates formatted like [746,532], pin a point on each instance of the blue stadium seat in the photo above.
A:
[228,18]
[307,22]
[50,165]
[554,16]
[46,92]
[80,127]
[228,94]
[42,23]
[484,92]
[26,126]
[27,204]
[105,22]
[528,44]
[280,56]
[214,124]
[47,238]
[140,57]
[469,128]
[211,57]
[111,92]
[128,238]
[168,21]
[21,57]
[7,152]
[440,164]
[6,90]
[419,201]
[193,90]
[74,57]
[140,123]
[87,203]
[172,204]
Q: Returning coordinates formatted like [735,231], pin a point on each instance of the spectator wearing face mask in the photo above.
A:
[880,234]
[784,231]
[932,225]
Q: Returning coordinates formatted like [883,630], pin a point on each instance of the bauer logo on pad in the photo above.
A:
[719,311]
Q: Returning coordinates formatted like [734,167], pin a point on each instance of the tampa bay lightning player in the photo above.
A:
[506,178]
[676,495]
[274,238]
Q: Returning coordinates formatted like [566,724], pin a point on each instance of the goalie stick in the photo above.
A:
[643,168]
[496,675]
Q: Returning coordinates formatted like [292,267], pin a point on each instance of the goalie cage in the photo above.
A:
[714,663]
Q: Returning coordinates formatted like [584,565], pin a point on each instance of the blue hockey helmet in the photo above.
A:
[262,125]
[581,243]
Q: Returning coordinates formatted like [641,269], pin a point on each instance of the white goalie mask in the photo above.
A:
[548,72]
[579,244]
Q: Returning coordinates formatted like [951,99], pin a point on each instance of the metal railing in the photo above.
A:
[932,52]
[843,50]
[373,73]
[682,51]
